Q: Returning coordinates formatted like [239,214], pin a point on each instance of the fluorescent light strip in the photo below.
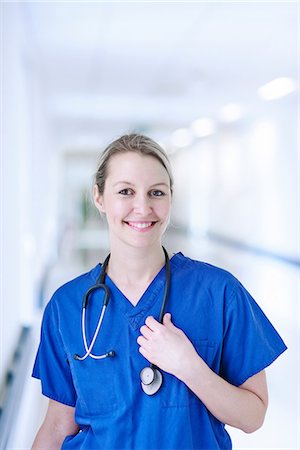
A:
[277,88]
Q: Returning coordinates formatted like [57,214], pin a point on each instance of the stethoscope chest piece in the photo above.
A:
[151,380]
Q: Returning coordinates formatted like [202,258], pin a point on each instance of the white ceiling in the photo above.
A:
[109,66]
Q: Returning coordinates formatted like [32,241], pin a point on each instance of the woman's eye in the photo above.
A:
[126,191]
[157,193]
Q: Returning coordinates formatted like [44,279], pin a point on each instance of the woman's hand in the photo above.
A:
[166,346]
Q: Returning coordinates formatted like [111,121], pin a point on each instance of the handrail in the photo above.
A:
[236,244]
[11,390]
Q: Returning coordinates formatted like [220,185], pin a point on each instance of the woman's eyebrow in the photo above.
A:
[122,182]
[160,184]
[128,183]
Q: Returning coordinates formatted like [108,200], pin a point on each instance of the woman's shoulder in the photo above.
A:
[78,284]
[214,280]
[202,269]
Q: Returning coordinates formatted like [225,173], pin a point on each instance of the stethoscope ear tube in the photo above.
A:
[93,288]
[151,377]
[167,287]
[99,285]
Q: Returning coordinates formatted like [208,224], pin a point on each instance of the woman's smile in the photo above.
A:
[140,226]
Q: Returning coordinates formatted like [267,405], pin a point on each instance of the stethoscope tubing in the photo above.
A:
[166,294]
[149,385]
[90,348]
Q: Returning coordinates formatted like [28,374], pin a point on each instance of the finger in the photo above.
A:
[153,324]
[145,354]
[143,342]
[146,332]
[167,321]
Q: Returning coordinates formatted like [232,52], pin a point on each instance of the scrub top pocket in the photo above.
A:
[97,386]
[174,393]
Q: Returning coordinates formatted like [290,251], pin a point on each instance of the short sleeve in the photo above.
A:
[250,342]
[51,364]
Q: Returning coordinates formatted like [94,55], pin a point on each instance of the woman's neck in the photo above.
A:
[136,265]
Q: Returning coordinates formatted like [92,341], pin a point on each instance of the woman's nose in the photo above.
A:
[142,204]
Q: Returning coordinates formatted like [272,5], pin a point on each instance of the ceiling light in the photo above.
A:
[277,88]
[182,137]
[231,112]
[203,127]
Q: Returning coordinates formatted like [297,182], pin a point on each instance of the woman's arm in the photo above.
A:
[59,423]
[243,407]
[167,346]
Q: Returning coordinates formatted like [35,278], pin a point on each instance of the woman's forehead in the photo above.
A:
[135,165]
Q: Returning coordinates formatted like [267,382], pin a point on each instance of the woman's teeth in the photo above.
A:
[140,225]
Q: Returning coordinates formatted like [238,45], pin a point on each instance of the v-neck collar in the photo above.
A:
[147,297]
[154,292]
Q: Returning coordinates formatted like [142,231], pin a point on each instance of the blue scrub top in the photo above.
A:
[227,327]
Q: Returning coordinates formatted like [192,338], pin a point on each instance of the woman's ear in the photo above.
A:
[98,199]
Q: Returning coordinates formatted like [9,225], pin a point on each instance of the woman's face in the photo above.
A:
[136,200]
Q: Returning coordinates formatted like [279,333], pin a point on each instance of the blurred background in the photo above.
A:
[216,83]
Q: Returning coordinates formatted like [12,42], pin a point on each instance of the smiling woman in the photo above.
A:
[136,201]
[199,369]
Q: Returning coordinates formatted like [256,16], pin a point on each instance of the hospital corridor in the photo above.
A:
[216,85]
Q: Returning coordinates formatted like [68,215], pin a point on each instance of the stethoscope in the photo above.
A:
[151,377]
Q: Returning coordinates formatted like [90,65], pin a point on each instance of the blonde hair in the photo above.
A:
[134,142]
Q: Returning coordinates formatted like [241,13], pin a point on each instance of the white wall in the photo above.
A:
[15,146]
[242,182]
[28,168]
